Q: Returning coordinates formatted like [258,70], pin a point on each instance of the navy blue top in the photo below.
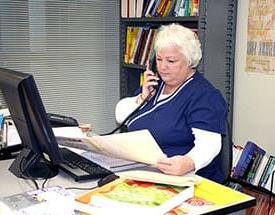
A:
[195,104]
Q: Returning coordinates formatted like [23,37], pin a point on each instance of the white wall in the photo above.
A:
[254,95]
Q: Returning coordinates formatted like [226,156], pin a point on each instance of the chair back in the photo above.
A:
[226,154]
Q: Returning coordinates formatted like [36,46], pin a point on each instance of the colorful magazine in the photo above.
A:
[125,195]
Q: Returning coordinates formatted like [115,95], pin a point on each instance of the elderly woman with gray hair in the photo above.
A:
[185,114]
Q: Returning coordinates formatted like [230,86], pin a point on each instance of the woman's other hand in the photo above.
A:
[176,165]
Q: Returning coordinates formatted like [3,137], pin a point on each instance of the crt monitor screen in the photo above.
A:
[30,118]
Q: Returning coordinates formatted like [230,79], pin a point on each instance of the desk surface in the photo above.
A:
[10,184]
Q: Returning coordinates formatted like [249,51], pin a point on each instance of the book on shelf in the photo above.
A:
[136,42]
[148,45]
[132,8]
[260,170]
[124,8]
[246,160]
[251,172]
[139,8]
[186,8]
[146,4]
[149,8]
[167,10]
[141,44]
[154,9]
[270,184]
[194,8]
[127,146]
[138,197]
[131,37]
[159,8]
[267,171]
[236,154]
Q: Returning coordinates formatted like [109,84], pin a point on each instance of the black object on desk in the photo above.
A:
[10,152]
[80,168]
[58,120]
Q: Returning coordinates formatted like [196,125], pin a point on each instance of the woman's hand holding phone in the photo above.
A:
[150,82]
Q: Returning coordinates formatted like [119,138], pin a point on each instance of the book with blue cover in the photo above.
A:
[251,172]
[246,160]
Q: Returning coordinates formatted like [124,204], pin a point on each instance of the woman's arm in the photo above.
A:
[124,107]
[207,147]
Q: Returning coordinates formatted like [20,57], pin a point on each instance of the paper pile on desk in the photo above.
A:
[47,201]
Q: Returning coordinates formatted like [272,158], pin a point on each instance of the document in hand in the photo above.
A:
[126,196]
[139,146]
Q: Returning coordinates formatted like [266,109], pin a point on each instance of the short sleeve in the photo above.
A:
[208,111]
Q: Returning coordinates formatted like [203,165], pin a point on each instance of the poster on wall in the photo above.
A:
[260,55]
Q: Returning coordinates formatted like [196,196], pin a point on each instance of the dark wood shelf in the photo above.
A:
[132,66]
[189,21]
[167,19]
[252,187]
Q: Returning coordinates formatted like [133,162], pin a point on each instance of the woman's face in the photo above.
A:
[172,65]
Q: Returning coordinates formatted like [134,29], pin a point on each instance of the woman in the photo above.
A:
[185,114]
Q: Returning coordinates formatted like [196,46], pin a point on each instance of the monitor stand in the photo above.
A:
[30,165]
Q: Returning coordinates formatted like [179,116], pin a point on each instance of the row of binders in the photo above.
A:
[139,44]
[251,164]
[159,8]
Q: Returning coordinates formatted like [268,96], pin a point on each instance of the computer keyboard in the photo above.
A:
[80,168]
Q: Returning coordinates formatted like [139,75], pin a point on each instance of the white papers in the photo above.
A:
[138,146]
[5,112]
[111,163]
[48,201]
[10,136]
[13,136]
[69,131]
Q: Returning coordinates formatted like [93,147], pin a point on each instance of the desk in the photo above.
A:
[9,184]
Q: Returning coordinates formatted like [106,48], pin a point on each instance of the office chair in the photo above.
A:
[226,154]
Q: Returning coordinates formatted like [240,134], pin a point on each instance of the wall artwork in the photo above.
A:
[260,54]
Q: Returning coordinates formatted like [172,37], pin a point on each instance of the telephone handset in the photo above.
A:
[57,120]
[153,67]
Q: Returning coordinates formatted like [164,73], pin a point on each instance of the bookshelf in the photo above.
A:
[215,26]
[250,159]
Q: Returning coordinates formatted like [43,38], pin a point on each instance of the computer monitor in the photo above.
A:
[30,118]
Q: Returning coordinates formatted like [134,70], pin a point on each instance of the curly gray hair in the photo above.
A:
[182,38]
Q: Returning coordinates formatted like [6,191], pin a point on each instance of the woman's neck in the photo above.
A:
[169,89]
